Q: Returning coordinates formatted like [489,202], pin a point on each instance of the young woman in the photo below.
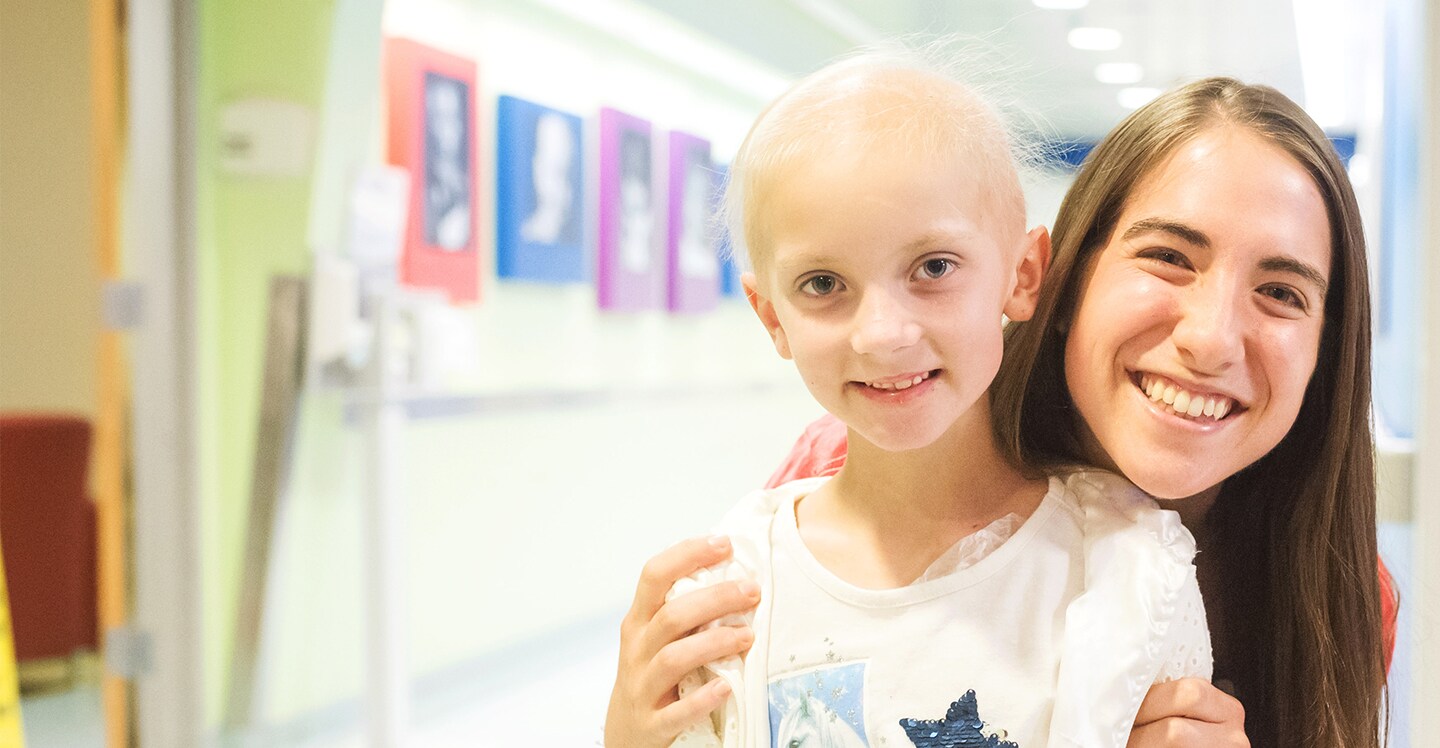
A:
[1203,330]
[1211,250]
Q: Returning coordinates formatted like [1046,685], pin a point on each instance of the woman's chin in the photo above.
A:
[1164,483]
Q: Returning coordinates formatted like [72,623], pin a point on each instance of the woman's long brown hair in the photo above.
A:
[1293,534]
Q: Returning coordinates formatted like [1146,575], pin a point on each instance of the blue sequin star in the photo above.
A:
[959,729]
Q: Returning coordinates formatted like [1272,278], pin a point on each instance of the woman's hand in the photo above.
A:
[659,644]
[1189,712]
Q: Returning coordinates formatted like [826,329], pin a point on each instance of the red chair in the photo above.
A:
[47,531]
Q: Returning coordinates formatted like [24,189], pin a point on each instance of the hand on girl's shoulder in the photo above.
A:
[664,638]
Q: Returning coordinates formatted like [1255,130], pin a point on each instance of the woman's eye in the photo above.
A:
[1286,296]
[936,267]
[820,285]
[1167,256]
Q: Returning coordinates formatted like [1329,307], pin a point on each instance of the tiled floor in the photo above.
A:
[552,694]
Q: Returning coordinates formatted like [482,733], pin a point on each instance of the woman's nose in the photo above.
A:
[1209,333]
[883,325]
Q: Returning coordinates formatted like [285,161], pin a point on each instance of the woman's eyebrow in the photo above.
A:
[1305,270]
[1175,228]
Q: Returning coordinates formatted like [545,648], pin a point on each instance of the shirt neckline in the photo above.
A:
[786,536]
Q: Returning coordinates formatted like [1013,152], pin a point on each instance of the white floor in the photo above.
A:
[553,694]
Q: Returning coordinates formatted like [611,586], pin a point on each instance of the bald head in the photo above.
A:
[874,103]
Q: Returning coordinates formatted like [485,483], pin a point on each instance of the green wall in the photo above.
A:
[249,229]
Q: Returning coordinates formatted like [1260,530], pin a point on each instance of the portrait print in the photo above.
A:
[632,270]
[693,277]
[540,208]
[447,164]
[431,133]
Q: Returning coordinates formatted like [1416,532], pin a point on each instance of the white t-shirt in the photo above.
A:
[858,667]
[1048,638]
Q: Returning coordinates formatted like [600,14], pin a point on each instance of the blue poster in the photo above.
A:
[540,207]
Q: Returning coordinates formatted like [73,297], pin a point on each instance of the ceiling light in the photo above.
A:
[1122,73]
[1061,4]
[1136,96]
[1094,37]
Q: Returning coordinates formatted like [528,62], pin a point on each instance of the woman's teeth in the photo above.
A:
[903,384]
[1184,403]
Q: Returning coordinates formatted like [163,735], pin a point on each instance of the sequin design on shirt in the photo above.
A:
[961,728]
[819,708]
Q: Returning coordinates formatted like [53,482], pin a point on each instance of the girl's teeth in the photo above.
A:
[903,384]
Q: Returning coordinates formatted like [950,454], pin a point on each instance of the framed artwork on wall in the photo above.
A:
[539,196]
[631,266]
[431,114]
[693,267]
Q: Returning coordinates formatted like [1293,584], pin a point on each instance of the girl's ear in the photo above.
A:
[1029,274]
[766,312]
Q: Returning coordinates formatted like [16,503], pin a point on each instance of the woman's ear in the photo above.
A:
[765,310]
[1034,260]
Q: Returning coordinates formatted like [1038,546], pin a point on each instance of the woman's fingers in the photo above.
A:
[1178,732]
[1189,713]
[696,608]
[1189,698]
[671,565]
[697,706]
[692,652]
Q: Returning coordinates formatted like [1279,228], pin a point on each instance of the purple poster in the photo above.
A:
[631,264]
[693,278]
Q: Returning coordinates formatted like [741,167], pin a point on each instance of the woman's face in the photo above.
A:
[1199,323]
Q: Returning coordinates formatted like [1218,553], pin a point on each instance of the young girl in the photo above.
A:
[1213,242]
[931,593]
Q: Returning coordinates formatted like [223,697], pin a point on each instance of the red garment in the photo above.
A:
[821,451]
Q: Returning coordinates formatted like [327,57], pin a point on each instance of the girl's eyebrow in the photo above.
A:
[941,239]
[1166,226]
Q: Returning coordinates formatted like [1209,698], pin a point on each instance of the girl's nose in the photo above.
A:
[883,325]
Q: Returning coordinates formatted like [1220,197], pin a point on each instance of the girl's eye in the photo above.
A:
[936,267]
[820,285]
[1284,295]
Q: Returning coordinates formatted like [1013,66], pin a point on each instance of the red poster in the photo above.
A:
[431,105]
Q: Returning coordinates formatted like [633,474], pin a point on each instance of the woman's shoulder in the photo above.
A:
[820,450]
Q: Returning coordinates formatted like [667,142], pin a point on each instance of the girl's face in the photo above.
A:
[1199,324]
[885,280]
